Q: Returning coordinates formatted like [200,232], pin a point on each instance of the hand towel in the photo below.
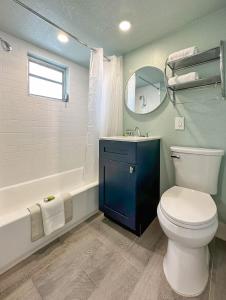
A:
[183,78]
[52,214]
[183,53]
[37,230]
[68,206]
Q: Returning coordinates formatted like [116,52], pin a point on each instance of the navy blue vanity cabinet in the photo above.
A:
[129,182]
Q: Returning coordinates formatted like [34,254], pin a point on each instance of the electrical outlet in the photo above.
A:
[179,123]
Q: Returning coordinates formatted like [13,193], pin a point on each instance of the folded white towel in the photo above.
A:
[183,78]
[183,53]
[52,214]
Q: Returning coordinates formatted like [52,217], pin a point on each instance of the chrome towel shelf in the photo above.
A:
[196,59]
[214,54]
[196,83]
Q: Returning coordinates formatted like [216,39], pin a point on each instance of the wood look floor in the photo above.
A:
[100,260]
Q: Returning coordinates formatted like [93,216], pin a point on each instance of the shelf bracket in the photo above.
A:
[222,67]
[170,93]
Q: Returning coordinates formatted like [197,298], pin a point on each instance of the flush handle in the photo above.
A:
[175,156]
[131,169]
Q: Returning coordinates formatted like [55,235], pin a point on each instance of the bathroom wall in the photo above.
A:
[203,109]
[38,136]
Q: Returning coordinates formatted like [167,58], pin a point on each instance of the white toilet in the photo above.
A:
[188,216]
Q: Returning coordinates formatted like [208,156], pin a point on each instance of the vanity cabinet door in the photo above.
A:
[118,191]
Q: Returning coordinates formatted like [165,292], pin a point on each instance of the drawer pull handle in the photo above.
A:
[131,169]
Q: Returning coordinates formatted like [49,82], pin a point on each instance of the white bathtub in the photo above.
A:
[15,229]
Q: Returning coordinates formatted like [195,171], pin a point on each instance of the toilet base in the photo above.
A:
[186,269]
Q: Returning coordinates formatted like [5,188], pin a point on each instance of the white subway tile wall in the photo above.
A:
[39,136]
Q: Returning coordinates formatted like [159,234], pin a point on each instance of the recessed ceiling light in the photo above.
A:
[63,38]
[124,25]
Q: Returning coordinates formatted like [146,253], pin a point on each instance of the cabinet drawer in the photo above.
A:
[116,150]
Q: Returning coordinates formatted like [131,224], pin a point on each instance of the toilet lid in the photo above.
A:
[188,206]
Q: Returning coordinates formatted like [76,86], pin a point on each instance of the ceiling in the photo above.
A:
[96,22]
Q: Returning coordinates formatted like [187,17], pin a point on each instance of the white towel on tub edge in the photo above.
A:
[52,214]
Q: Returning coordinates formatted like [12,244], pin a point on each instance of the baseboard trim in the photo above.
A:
[221,231]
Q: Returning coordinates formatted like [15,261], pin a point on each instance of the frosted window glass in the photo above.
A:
[39,70]
[42,87]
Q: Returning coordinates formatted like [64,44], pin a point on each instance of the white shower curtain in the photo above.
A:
[105,106]
[131,92]
[112,98]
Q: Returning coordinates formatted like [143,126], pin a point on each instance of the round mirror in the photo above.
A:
[145,90]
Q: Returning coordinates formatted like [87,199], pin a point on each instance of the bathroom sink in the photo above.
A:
[130,138]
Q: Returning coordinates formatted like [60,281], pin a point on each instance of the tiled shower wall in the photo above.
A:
[39,136]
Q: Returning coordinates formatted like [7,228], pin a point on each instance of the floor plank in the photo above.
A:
[118,282]
[25,291]
[218,282]
[101,260]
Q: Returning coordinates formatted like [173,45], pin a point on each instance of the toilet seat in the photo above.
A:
[188,208]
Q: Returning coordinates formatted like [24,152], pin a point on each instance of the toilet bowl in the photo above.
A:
[188,217]
[186,263]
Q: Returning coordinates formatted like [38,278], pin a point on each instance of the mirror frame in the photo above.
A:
[163,99]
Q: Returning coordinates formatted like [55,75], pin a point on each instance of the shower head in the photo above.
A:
[5,45]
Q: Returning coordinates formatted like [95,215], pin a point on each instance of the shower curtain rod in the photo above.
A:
[149,82]
[56,26]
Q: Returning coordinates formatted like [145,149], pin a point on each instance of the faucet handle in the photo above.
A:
[147,134]
[129,132]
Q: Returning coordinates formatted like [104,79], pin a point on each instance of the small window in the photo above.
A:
[46,79]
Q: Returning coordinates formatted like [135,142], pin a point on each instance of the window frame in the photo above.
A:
[54,66]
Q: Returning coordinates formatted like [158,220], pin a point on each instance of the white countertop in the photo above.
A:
[130,138]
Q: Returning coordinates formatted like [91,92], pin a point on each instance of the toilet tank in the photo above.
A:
[197,168]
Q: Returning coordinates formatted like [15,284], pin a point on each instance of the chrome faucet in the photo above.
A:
[137,131]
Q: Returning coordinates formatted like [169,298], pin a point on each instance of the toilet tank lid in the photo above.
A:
[202,151]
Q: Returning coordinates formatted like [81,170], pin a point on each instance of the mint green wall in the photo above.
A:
[203,109]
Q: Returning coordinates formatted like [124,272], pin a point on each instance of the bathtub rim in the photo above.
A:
[19,184]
